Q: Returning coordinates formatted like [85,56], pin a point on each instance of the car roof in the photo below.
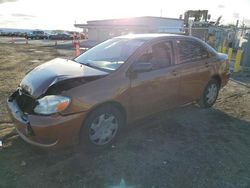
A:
[154,36]
[151,36]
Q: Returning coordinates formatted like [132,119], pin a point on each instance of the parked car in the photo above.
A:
[61,36]
[89,99]
[6,34]
[36,35]
[19,34]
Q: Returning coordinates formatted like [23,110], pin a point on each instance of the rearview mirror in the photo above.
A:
[142,67]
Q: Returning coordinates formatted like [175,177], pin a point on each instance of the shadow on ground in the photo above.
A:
[188,147]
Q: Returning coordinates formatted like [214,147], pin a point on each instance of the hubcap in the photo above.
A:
[103,129]
[211,95]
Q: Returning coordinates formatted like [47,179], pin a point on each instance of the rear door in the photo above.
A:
[194,66]
[158,88]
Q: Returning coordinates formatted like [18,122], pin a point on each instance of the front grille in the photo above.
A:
[25,101]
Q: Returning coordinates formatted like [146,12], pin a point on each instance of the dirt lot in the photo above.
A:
[187,147]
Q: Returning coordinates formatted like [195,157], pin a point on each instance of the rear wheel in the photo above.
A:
[101,128]
[210,94]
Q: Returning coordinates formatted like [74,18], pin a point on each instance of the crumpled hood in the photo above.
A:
[37,81]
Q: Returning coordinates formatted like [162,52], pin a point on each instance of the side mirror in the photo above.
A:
[142,67]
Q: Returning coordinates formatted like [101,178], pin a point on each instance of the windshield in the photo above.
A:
[111,54]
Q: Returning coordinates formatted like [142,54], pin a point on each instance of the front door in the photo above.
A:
[158,88]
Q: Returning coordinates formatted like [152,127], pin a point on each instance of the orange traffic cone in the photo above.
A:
[78,51]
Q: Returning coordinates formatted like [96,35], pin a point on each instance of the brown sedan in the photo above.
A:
[89,99]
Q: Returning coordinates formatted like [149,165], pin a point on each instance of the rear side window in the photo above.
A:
[190,51]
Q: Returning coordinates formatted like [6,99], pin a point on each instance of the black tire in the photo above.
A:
[205,101]
[86,131]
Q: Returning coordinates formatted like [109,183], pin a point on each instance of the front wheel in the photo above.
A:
[210,94]
[101,128]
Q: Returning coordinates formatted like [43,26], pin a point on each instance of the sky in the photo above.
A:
[62,14]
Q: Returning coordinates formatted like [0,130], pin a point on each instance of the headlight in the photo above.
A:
[51,104]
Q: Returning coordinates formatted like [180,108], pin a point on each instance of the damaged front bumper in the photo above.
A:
[46,131]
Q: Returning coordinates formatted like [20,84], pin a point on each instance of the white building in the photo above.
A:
[100,30]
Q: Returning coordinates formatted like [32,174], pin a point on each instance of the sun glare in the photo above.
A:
[63,14]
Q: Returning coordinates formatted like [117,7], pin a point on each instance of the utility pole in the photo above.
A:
[190,25]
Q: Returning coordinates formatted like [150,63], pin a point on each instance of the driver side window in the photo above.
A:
[160,55]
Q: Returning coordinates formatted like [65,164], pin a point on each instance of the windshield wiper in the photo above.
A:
[89,65]
[95,67]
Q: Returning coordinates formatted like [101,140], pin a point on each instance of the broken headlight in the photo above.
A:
[51,104]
